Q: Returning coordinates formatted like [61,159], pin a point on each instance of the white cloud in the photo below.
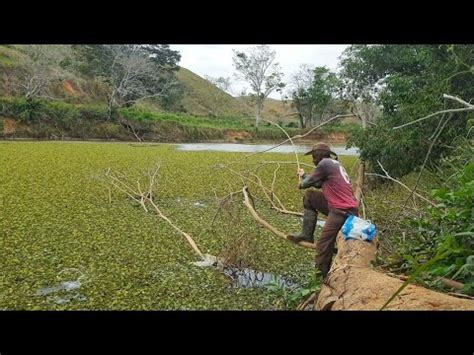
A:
[216,60]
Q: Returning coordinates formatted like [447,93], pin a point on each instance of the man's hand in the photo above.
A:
[300,173]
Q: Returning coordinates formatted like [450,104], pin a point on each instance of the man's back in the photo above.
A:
[331,176]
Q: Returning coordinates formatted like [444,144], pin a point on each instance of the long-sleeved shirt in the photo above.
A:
[331,176]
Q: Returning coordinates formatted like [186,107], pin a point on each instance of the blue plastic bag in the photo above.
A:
[358,228]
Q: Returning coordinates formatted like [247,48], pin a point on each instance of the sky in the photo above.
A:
[216,60]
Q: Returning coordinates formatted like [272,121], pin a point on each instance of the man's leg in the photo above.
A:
[325,243]
[313,202]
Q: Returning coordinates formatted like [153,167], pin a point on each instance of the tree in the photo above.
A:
[133,72]
[257,67]
[223,84]
[313,91]
[161,54]
[40,68]
[301,82]
[325,86]
[408,82]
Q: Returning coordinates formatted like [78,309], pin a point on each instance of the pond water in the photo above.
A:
[62,293]
[254,148]
[245,277]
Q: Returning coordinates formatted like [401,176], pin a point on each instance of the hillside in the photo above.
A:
[201,98]
[205,99]
[274,110]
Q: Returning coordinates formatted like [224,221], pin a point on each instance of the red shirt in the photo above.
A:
[331,176]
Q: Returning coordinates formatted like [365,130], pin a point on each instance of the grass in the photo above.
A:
[202,98]
[188,120]
[9,57]
[57,215]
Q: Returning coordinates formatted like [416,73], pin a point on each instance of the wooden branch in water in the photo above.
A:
[186,235]
[143,196]
[281,209]
[267,225]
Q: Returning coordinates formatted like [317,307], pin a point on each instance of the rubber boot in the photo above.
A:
[310,218]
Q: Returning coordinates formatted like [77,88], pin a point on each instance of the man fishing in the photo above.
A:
[336,201]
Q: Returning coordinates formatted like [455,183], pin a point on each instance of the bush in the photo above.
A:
[449,226]
[33,110]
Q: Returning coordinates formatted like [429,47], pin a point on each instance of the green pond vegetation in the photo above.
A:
[58,215]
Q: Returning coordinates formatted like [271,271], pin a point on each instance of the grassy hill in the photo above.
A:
[205,99]
[201,98]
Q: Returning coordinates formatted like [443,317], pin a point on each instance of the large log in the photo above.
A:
[353,285]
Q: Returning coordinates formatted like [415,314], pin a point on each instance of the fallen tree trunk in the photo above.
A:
[353,285]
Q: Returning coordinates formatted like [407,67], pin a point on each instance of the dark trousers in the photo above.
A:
[315,200]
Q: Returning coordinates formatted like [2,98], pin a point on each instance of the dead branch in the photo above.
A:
[451,283]
[280,209]
[265,162]
[142,197]
[274,180]
[387,176]
[426,158]
[468,107]
[221,202]
[265,223]
[265,189]
[298,136]
[186,235]
[461,101]
[291,141]
[302,306]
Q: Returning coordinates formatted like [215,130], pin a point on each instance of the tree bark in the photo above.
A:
[353,285]
[257,113]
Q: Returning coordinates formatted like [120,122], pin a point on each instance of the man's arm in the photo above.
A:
[315,178]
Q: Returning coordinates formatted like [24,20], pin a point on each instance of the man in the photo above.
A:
[336,201]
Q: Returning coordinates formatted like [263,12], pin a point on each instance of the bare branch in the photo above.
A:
[298,136]
[266,224]
[302,306]
[291,141]
[455,98]
[427,156]
[147,196]
[468,107]
[387,176]
[285,162]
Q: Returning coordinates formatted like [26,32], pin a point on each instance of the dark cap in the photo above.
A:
[322,147]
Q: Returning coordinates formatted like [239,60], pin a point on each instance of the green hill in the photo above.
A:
[201,98]
[205,99]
